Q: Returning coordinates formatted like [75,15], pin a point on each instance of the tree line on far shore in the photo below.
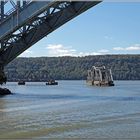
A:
[124,67]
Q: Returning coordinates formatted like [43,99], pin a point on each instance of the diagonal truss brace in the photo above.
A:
[52,18]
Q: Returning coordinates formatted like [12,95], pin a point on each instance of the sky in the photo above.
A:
[107,28]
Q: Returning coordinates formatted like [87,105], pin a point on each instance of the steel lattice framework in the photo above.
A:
[27,24]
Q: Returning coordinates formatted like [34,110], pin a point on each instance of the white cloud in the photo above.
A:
[50,46]
[134,47]
[26,53]
[87,53]
[103,51]
[60,50]
[118,48]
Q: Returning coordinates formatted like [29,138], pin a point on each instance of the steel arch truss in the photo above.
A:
[52,18]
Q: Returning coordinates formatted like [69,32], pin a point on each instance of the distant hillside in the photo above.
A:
[124,67]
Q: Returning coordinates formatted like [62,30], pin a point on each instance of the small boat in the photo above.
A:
[100,76]
[51,82]
[21,83]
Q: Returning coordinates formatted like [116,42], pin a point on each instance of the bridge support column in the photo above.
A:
[3,78]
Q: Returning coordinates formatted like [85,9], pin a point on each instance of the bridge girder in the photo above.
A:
[33,30]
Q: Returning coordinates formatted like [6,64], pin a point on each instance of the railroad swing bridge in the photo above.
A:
[28,21]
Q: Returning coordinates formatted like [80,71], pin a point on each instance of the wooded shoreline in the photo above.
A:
[124,67]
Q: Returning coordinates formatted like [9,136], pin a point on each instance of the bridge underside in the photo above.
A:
[25,31]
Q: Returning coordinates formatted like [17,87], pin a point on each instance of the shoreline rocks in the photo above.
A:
[4,91]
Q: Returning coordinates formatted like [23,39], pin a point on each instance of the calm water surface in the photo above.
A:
[71,110]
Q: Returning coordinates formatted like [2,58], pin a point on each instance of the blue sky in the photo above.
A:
[107,28]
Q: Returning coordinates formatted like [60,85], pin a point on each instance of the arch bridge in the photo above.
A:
[27,21]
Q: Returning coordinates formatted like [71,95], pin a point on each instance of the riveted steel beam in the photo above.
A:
[41,26]
[27,25]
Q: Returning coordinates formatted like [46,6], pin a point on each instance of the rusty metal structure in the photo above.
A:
[100,76]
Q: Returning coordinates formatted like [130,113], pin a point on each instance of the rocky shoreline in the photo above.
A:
[4,91]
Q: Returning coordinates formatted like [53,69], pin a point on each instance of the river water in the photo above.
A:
[71,110]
